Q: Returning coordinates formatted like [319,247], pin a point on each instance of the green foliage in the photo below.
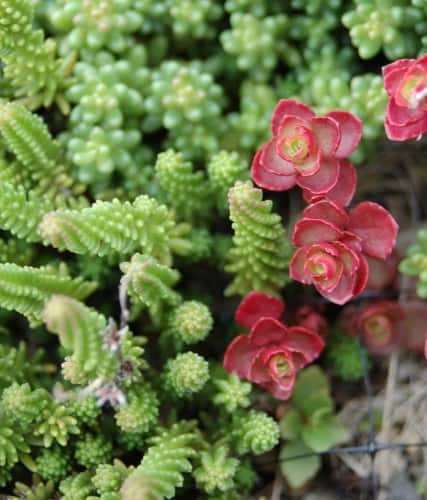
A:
[140,412]
[185,100]
[15,251]
[38,156]
[109,478]
[55,425]
[53,463]
[90,26]
[345,355]
[107,228]
[16,365]
[12,443]
[21,212]
[194,18]
[260,256]
[77,487]
[31,65]
[186,374]
[84,333]
[313,7]
[298,471]
[85,410]
[251,125]
[149,283]
[224,170]
[309,425]
[162,468]
[385,24]
[92,450]
[36,491]
[255,432]
[232,392]
[26,289]
[186,191]
[127,129]
[258,44]
[189,323]
[216,470]
[103,134]
[415,263]
[202,245]
[22,405]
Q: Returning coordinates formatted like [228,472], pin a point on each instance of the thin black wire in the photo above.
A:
[372,447]
[352,450]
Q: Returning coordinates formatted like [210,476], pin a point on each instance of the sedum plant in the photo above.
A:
[262,267]
[309,425]
[157,159]
[415,263]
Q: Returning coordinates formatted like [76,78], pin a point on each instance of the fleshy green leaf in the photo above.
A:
[291,425]
[300,470]
[312,391]
[324,434]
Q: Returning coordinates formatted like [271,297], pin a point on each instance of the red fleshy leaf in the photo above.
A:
[350,131]
[382,325]
[349,258]
[394,72]
[343,191]
[327,133]
[406,113]
[342,293]
[268,180]
[273,163]
[309,231]
[296,266]
[312,317]
[257,305]
[362,276]
[279,392]
[376,227]
[327,211]
[382,272]
[329,283]
[324,179]
[238,356]
[310,166]
[405,132]
[289,107]
[258,371]
[307,342]
[266,331]
[291,124]
[403,116]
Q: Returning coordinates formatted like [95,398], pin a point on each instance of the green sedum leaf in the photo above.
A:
[324,434]
[312,391]
[300,470]
[291,425]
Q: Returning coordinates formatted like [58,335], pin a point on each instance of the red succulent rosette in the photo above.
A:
[272,353]
[381,324]
[313,318]
[405,81]
[307,150]
[332,247]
